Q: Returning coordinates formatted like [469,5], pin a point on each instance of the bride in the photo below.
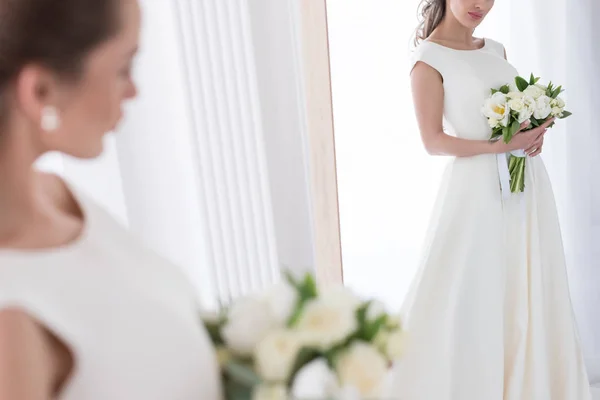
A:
[489,314]
[86,312]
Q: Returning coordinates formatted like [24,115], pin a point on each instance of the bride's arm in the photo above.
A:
[428,97]
[27,369]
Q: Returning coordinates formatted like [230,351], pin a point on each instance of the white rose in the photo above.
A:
[270,392]
[560,102]
[515,95]
[325,323]
[496,107]
[542,108]
[493,122]
[517,104]
[534,91]
[248,322]
[364,368]
[315,381]
[276,354]
[282,300]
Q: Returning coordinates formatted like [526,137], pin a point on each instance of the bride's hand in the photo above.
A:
[531,141]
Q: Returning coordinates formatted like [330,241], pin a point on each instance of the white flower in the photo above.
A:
[528,109]
[341,296]
[493,122]
[560,102]
[557,112]
[542,107]
[270,392]
[326,323]
[515,95]
[496,107]
[276,354]
[516,104]
[364,368]
[534,91]
[375,310]
[396,342]
[542,87]
[315,381]
[249,321]
[282,300]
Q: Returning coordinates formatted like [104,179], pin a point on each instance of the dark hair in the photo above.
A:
[431,13]
[56,34]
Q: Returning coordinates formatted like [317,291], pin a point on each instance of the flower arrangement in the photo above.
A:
[511,105]
[293,342]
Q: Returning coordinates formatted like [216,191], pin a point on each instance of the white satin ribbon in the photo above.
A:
[503,171]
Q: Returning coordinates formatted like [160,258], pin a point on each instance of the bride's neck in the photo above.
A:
[453,31]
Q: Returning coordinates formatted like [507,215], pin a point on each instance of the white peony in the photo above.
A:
[496,107]
[276,354]
[326,323]
[364,368]
[248,322]
[528,109]
[315,381]
[542,107]
[270,392]
[282,300]
[534,91]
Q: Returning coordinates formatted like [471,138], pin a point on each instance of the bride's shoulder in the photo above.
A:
[495,46]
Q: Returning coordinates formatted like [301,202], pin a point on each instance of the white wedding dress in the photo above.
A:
[130,318]
[489,315]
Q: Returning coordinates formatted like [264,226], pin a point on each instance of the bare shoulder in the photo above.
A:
[32,363]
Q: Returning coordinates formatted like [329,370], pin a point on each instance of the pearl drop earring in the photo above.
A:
[50,119]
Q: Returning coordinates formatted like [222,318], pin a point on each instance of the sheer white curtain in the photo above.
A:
[387,183]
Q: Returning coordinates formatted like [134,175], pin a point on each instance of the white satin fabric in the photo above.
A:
[489,314]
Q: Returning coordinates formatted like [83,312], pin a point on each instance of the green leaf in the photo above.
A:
[536,80]
[242,374]
[532,79]
[372,328]
[521,83]
[494,91]
[214,332]
[506,134]
[534,122]
[566,114]
[514,128]
[505,89]
[556,92]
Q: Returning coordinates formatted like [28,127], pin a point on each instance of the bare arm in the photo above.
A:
[26,366]
[428,97]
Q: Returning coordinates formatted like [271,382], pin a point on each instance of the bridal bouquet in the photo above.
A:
[295,343]
[511,105]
